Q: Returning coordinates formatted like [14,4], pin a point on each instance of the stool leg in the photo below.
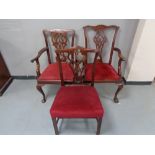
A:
[99,122]
[55,126]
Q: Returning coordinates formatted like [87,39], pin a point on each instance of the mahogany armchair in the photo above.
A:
[54,39]
[78,100]
[99,36]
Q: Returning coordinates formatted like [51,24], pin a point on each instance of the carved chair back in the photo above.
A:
[103,38]
[58,39]
[76,58]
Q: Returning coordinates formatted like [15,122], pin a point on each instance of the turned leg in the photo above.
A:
[55,126]
[41,91]
[120,86]
[99,122]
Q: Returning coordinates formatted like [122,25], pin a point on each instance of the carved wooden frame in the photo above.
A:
[76,56]
[103,28]
[74,63]
[61,32]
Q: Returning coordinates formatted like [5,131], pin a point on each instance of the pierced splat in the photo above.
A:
[80,64]
[99,40]
[76,58]
[59,40]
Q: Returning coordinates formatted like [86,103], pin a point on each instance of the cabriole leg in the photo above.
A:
[41,91]
[120,86]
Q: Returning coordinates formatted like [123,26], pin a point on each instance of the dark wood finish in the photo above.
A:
[5,77]
[57,132]
[76,57]
[39,88]
[99,123]
[120,87]
[99,40]
[121,58]
[59,40]
[55,126]
[36,59]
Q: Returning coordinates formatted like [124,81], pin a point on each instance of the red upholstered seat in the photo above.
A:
[77,102]
[103,72]
[51,73]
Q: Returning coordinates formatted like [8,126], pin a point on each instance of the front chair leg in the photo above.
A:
[99,122]
[41,91]
[120,86]
[55,126]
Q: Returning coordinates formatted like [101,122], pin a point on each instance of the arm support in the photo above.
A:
[39,54]
[36,59]
[121,58]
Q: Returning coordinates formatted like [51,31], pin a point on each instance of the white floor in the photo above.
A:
[21,111]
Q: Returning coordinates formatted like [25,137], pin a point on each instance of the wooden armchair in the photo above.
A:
[54,39]
[99,36]
[78,100]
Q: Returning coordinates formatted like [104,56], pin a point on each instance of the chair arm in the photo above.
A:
[119,54]
[121,58]
[39,54]
[36,59]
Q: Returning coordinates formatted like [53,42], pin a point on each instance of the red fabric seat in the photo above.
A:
[103,72]
[77,102]
[51,73]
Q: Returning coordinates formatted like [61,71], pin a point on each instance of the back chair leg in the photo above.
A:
[120,86]
[55,126]
[99,123]
[41,91]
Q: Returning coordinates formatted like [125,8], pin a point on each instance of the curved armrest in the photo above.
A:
[121,58]
[36,59]
[119,54]
[39,54]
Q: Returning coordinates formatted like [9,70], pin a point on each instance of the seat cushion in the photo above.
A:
[103,72]
[51,73]
[77,102]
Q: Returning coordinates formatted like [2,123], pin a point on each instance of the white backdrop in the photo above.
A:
[141,63]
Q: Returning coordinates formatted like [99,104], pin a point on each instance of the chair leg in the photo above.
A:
[99,123]
[41,91]
[55,126]
[120,86]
